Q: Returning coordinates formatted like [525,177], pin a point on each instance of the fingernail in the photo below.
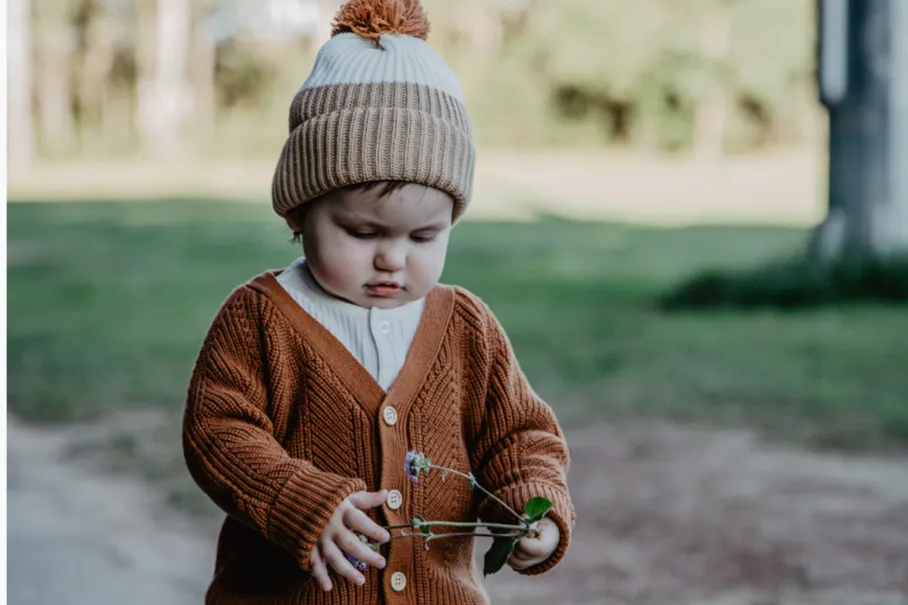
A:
[382,563]
[385,537]
[361,580]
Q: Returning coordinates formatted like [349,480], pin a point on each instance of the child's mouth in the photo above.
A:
[384,289]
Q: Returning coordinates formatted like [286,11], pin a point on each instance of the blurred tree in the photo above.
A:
[55,44]
[203,65]
[712,104]
[168,98]
[144,51]
[99,29]
[19,49]
[868,135]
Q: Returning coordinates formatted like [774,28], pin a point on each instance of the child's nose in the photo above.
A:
[391,259]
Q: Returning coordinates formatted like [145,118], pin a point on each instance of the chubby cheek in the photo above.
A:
[425,268]
[339,267]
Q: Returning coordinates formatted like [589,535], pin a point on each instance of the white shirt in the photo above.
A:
[378,338]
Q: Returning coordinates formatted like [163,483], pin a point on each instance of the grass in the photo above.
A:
[108,303]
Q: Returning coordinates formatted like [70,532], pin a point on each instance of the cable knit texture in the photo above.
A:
[282,424]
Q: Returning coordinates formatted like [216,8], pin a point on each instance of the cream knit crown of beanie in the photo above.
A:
[379,105]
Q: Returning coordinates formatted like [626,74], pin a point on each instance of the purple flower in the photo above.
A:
[360,565]
[415,463]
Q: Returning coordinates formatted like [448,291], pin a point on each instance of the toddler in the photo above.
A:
[314,382]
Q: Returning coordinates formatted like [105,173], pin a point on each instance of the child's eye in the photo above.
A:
[361,234]
[423,239]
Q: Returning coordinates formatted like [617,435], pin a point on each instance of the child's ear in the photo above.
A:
[296,217]
[293,224]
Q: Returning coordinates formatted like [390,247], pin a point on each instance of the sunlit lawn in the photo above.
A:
[108,304]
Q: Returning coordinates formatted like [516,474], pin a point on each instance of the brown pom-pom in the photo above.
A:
[373,18]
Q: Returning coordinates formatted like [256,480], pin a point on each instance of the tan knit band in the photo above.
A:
[346,134]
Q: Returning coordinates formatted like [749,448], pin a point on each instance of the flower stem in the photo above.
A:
[513,534]
[402,536]
[520,528]
[400,526]
[474,482]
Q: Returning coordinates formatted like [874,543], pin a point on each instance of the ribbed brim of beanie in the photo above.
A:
[387,109]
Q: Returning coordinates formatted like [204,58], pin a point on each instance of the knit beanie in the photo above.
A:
[379,105]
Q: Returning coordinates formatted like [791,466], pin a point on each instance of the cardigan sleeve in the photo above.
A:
[521,451]
[229,440]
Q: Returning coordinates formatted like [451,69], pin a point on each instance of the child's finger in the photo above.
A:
[518,563]
[533,547]
[320,570]
[358,521]
[367,500]
[340,564]
[519,552]
[352,545]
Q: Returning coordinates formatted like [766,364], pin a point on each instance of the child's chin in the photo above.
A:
[384,302]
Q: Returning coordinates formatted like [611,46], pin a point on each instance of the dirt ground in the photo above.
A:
[668,515]
[77,536]
[665,515]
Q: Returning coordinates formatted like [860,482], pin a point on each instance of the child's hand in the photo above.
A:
[532,551]
[340,538]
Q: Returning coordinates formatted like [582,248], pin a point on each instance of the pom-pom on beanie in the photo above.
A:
[379,105]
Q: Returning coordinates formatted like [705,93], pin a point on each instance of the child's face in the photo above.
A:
[378,251]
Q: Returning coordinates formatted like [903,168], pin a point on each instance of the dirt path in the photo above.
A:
[665,515]
[680,516]
[78,537]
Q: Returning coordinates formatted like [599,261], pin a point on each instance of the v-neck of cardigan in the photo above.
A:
[430,332]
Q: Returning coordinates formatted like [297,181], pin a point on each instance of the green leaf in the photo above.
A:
[497,555]
[536,508]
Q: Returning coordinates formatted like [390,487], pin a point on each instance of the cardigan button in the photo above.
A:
[389,415]
[394,499]
[398,581]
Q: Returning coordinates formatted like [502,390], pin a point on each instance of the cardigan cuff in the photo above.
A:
[303,507]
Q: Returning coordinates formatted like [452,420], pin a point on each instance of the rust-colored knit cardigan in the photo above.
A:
[282,424]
